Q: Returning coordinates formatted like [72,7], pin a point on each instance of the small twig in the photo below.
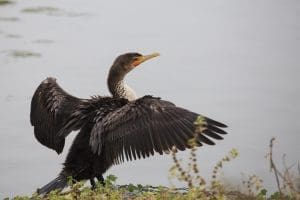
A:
[273,167]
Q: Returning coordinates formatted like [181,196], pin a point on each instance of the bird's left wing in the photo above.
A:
[149,125]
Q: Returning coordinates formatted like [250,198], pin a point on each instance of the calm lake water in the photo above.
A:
[234,61]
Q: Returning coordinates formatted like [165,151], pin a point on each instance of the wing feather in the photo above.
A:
[148,125]
[51,106]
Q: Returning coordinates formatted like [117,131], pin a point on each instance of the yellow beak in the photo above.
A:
[142,59]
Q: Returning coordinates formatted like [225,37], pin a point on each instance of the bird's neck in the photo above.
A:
[118,87]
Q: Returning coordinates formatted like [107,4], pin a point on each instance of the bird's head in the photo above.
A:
[121,66]
[128,61]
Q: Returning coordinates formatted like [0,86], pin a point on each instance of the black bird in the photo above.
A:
[112,129]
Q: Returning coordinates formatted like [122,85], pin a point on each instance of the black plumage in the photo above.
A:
[112,129]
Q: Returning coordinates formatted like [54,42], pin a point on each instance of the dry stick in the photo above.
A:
[287,175]
[272,165]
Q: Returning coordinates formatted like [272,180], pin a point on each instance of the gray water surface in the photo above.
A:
[234,61]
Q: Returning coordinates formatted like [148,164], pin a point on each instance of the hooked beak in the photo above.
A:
[142,59]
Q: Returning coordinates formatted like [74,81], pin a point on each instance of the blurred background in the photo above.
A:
[234,61]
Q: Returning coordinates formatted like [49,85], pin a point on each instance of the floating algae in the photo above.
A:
[15,36]
[9,19]
[24,54]
[43,41]
[52,11]
[43,10]
[5,2]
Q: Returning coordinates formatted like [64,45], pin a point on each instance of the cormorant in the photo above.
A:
[112,129]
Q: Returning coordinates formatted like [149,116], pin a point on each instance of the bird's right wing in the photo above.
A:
[51,107]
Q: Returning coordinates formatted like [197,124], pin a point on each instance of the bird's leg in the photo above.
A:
[93,183]
[100,179]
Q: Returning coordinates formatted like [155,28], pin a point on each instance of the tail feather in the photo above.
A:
[59,183]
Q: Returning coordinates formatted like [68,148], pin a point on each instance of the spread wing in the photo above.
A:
[51,107]
[149,125]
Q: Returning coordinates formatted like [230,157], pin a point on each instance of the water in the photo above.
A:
[235,61]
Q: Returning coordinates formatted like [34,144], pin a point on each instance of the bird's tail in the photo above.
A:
[57,184]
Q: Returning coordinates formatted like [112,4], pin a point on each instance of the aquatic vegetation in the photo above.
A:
[10,35]
[9,19]
[52,11]
[42,9]
[24,54]
[5,2]
[43,41]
